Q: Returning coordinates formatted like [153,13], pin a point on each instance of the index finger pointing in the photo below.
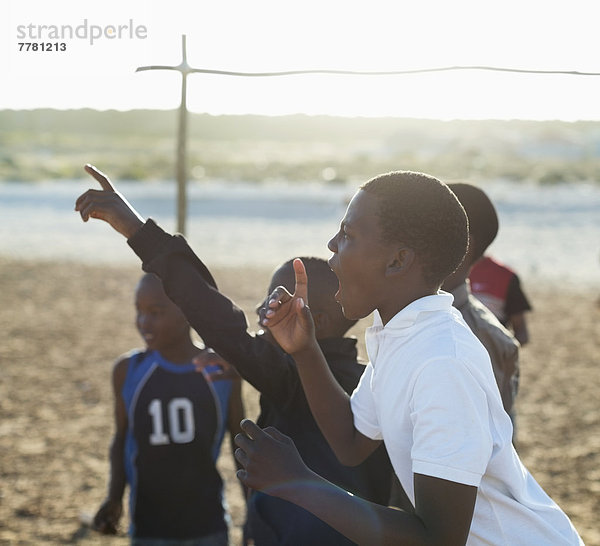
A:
[301,290]
[100,177]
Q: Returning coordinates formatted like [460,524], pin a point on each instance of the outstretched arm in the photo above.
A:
[443,509]
[288,318]
[189,283]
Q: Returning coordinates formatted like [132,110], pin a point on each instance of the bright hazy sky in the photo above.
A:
[261,35]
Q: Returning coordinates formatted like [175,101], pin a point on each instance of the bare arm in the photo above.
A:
[289,320]
[443,509]
[108,515]
[518,323]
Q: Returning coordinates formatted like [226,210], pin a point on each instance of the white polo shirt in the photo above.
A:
[429,392]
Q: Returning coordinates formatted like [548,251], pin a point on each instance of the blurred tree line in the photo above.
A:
[140,144]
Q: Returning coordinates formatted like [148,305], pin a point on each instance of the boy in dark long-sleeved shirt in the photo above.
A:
[223,327]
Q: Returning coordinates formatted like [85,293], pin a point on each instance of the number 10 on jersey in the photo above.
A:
[180,422]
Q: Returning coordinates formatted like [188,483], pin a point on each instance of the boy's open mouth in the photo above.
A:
[338,294]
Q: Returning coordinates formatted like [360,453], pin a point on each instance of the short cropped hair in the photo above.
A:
[483,220]
[421,212]
[322,281]
[325,281]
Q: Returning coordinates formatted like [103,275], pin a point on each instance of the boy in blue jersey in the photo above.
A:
[170,422]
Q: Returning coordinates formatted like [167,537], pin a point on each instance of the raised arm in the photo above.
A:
[190,285]
[288,318]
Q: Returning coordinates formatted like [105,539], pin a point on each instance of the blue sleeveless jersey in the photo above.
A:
[177,421]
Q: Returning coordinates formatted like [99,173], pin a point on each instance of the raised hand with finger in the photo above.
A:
[288,316]
[109,205]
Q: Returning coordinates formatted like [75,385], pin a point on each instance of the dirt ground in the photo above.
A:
[63,325]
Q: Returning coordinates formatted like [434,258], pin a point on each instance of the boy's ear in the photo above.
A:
[400,262]
[321,319]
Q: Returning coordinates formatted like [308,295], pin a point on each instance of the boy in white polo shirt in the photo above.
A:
[428,392]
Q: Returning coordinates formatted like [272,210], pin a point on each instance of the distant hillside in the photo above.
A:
[140,144]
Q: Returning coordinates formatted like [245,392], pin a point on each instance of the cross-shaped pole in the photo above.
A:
[181,167]
[184,68]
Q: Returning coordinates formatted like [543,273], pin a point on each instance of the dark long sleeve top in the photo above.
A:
[222,326]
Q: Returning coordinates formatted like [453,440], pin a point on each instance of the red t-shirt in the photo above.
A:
[498,288]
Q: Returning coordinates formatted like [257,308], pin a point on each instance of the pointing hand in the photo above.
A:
[109,205]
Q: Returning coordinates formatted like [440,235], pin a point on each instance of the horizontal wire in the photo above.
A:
[188,69]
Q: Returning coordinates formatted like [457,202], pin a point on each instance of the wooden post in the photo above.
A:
[181,163]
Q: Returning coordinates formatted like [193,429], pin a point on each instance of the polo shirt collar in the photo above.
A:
[410,314]
[404,319]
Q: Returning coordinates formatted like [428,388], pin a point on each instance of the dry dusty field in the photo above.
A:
[62,326]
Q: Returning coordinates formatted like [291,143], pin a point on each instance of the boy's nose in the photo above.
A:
[332,244]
